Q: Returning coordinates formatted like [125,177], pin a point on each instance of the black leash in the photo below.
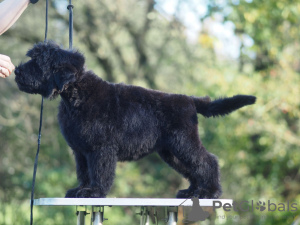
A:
[36,162]
[70,8]
[40,134]
[46,27]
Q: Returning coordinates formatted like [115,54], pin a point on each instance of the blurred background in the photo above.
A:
[194,47]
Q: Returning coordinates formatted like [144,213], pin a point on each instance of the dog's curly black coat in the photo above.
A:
[104,122]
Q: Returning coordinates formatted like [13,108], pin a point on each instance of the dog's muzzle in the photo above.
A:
[17,71]
[19,78]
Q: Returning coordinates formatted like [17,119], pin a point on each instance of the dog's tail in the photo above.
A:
[222,106]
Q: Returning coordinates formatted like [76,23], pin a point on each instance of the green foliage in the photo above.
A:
[129,41]
[273,25]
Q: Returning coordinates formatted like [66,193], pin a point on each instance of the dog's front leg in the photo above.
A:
[101,165]
[82,174]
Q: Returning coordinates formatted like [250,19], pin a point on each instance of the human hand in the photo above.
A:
[6,66]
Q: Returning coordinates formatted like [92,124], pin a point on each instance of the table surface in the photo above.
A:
[125,202]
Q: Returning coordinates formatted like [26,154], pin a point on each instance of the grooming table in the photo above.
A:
[97,216]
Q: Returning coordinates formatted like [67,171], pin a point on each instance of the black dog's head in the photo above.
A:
[49,70]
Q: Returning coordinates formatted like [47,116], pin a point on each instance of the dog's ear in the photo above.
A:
[68,67]
[63,77]
[75,59]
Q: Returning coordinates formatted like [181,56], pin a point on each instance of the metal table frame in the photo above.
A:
[98,204]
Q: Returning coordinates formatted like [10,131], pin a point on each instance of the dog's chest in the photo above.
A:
[85,128]
[74,126]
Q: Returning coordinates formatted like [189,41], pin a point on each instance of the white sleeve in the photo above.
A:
[10,11]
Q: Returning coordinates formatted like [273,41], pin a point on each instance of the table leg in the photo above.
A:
[98,215]
[81,212]
[145,218]
[171,215]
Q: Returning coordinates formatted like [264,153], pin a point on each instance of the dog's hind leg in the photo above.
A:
[82,175]
[202,167]
[173,162]
[101,168]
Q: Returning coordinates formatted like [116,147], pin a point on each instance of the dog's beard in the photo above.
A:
[26,88]
[23,86]
[22,82]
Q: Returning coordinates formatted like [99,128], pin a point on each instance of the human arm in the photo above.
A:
[10,11]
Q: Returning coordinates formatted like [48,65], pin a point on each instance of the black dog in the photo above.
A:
[104,123]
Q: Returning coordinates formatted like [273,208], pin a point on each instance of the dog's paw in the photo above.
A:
[199,193]
[72,192]
[90,193]
[205,194]
[186,193]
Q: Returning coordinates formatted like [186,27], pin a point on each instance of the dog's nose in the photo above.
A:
[17,71]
